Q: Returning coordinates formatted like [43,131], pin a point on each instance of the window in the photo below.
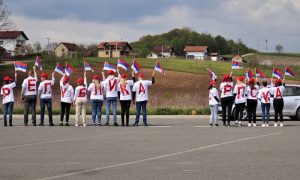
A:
[292,91]
[1,42]
[63,50]
[106,52]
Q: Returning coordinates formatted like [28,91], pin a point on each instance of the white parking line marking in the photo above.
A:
[157,157]
[201,126]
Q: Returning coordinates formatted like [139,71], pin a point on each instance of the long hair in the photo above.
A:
[123,82]
[97,83]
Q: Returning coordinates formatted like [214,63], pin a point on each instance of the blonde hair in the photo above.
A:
[97,83]
[123,82]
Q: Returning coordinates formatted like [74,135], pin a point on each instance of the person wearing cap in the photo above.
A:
[213,103]
[66,98]
[29,96]
[125,96]
[80,100]
[227,99]
[110,88]
[140,96]
[239,93]
[264,95]
[96,89]
[45,93]
[277,92]
[251,93]
[7,91]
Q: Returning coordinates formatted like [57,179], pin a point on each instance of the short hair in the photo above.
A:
[265,83]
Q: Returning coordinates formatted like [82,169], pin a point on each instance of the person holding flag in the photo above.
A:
[289,72]
[123,64]
[140,95]
[59,69]
[213,103]
[45,92]
[264,95]
[136,67]
[239,94]
[278,103]
[66,98]
[7,91]
[159,68]
[212,75]
[38,63]
[227,99]
[80,100]
[87,66]
[251,93]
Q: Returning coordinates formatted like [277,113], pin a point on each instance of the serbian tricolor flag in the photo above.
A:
[289,72]
[59,69]
[123,64]
[277,74]
[236,65]
[136,67]
[249,74]
[38,63]
[159,68]
[259,73]
[211,74]
[87,66]
[107,66]
[68,69]
[20,66]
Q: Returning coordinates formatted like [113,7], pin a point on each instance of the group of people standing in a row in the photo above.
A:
[110,89]
[246,92]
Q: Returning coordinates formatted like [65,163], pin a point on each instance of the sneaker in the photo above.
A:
[116,124]
[263,125]
[34,124]
[41,124]
[228,125]
[217,125]
[236,124]
[146,124]
[254,124]
[275,124]
[84,125]
[99,124]
[210,125]
[249,124]
[281,124]
[76,125]
[51,124]
[106,124]
[267,125]
[135,124]
[94,125]
[61,123]
[66,124]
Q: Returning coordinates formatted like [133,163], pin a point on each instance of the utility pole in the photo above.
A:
[266,45]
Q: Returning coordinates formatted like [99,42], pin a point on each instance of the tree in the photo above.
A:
[37,47]
[5,22]
[279,48]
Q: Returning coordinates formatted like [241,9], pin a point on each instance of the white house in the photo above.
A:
[214,56]
[11,40]
[161,52]
[196,52]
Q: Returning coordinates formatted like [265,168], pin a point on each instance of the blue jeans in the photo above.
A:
[48,103]
[213,114]
[8,109]
[265,107]
[96,110]
[141,105]
[113,101]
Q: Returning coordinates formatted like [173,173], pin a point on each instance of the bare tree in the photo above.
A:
[37,47]
[5,22]
[279,48]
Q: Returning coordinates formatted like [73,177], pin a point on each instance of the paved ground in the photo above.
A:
[174,147]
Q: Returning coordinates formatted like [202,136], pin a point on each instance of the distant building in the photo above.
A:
[237,58]
[12,40]
[64,49]
[161,52]
[196,52]
[2,53]
[214,56]
[114,49]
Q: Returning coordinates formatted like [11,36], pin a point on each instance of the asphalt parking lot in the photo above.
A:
[172,147]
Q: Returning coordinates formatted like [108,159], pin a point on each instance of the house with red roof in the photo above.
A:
[65,49]
[114,49]
[161,52]
[12,40]
[196,52]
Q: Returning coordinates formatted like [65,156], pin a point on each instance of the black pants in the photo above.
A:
[125,106]
[30,103]
[278,107]
[226,104]
[48,103]
[252,105]
[65,109]
[239,109]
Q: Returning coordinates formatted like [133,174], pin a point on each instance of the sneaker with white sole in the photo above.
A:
[267,125]
[254,124]
[263,125]
[275,124]
[281,124]
[84,124]
[76,125]
[249,125]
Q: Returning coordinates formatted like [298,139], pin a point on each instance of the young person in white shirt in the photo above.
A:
[278,103]
[251,92]
[7,91]
[45,92]
[67,94]
[80,100]
[227,99]
[213,103]
[140,96]
[29,96]
[264,95]
[125,96]
[239,93]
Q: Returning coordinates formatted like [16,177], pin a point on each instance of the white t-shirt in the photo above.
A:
[125,93]
[264,95]
[277,92]
[29,86]
[8,93]
[45,88]
[226,89]
[110,86]
[66,92]
[141,89]
[240,91]
[80,93]
[252,92]
[96,93]
[213,92]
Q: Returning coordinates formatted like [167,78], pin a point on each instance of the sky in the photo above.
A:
[93,21]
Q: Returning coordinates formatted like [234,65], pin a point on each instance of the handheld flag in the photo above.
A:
[277,74]
[59,69]
[38,63]
[212,75]
[20,66]
[68,70]
[107,66]
[136,67]
[87,66]
[123,64]
[259,73]
[249,74]
[159,68]
[236,65]
[289,72]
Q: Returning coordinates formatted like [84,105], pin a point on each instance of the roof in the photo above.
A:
[158,49]
[69,46]
[119,44]
[12,34]
[195,48]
